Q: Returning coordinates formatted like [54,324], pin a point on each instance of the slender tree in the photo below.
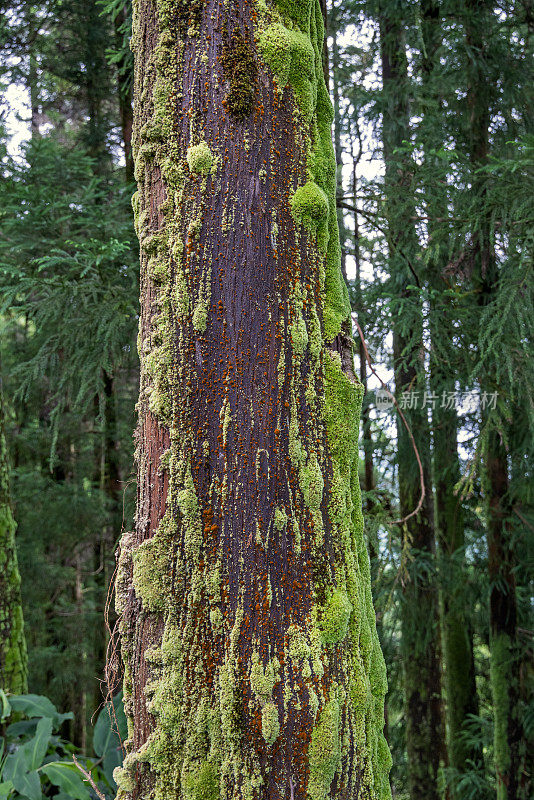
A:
[419,601]
[504,656]
[13,659]
[252,664]
[457,642]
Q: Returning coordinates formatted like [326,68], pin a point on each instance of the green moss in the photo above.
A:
[270,723]
[263,679]
[324,752]
[203,783]
[199,158]
[334,618]
[309,204]
[298,11]
[299,335]
[312,483]
[240,70]
[298,648]
[343,400]
[152,566]
[123,779]
[280,519]
[290,55]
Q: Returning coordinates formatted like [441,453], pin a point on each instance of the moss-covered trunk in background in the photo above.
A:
[13,658]
[419,596]
[252,665]
[456,634]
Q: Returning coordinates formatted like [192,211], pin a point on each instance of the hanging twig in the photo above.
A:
[412,440]
[88,777]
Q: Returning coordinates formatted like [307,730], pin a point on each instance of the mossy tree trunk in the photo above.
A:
[13,658]
[419,602]
[504,655]
[252,664]
[458,660]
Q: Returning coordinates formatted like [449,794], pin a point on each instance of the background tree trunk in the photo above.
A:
[13,659]
[419,602]
[252,664]
[458,660]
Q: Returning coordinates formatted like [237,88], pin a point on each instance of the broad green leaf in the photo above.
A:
[67,777]
[16,764]
[110,721]
[22,728]
[29,785]
[5,788]
[36,748]
[36,705]
[33,705]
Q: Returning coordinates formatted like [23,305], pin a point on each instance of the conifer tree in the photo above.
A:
[419,600]
[252,664]
[456,634]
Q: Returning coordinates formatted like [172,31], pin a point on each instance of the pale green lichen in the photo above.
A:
[263,679]
[311,483]
[199,158]
[270,723]
[280,519]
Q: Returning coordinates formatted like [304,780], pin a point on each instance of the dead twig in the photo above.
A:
[89,778]
[412,440]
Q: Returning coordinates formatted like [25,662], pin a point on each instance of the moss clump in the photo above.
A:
[200,158]
[342,412]
[202,784]
[290,55]
[263,679]
[280,519]
[324,752]
[334,618]
[240,70]
[123,779]
[312,483]
[151,568]
[309,205]
[270,724]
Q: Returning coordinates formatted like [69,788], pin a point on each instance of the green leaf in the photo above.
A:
[5,788]
[67,777]
[16,764]
[29,785]
[36,748]
[33,705]
[36,705]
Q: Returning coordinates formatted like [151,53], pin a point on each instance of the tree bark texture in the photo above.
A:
[252,665]
[420,645]
[13,657]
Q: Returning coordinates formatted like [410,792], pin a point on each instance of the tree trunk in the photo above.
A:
[13,657]
[504,657]
[419,607]
[252,664]
[458,660]
[124,80]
